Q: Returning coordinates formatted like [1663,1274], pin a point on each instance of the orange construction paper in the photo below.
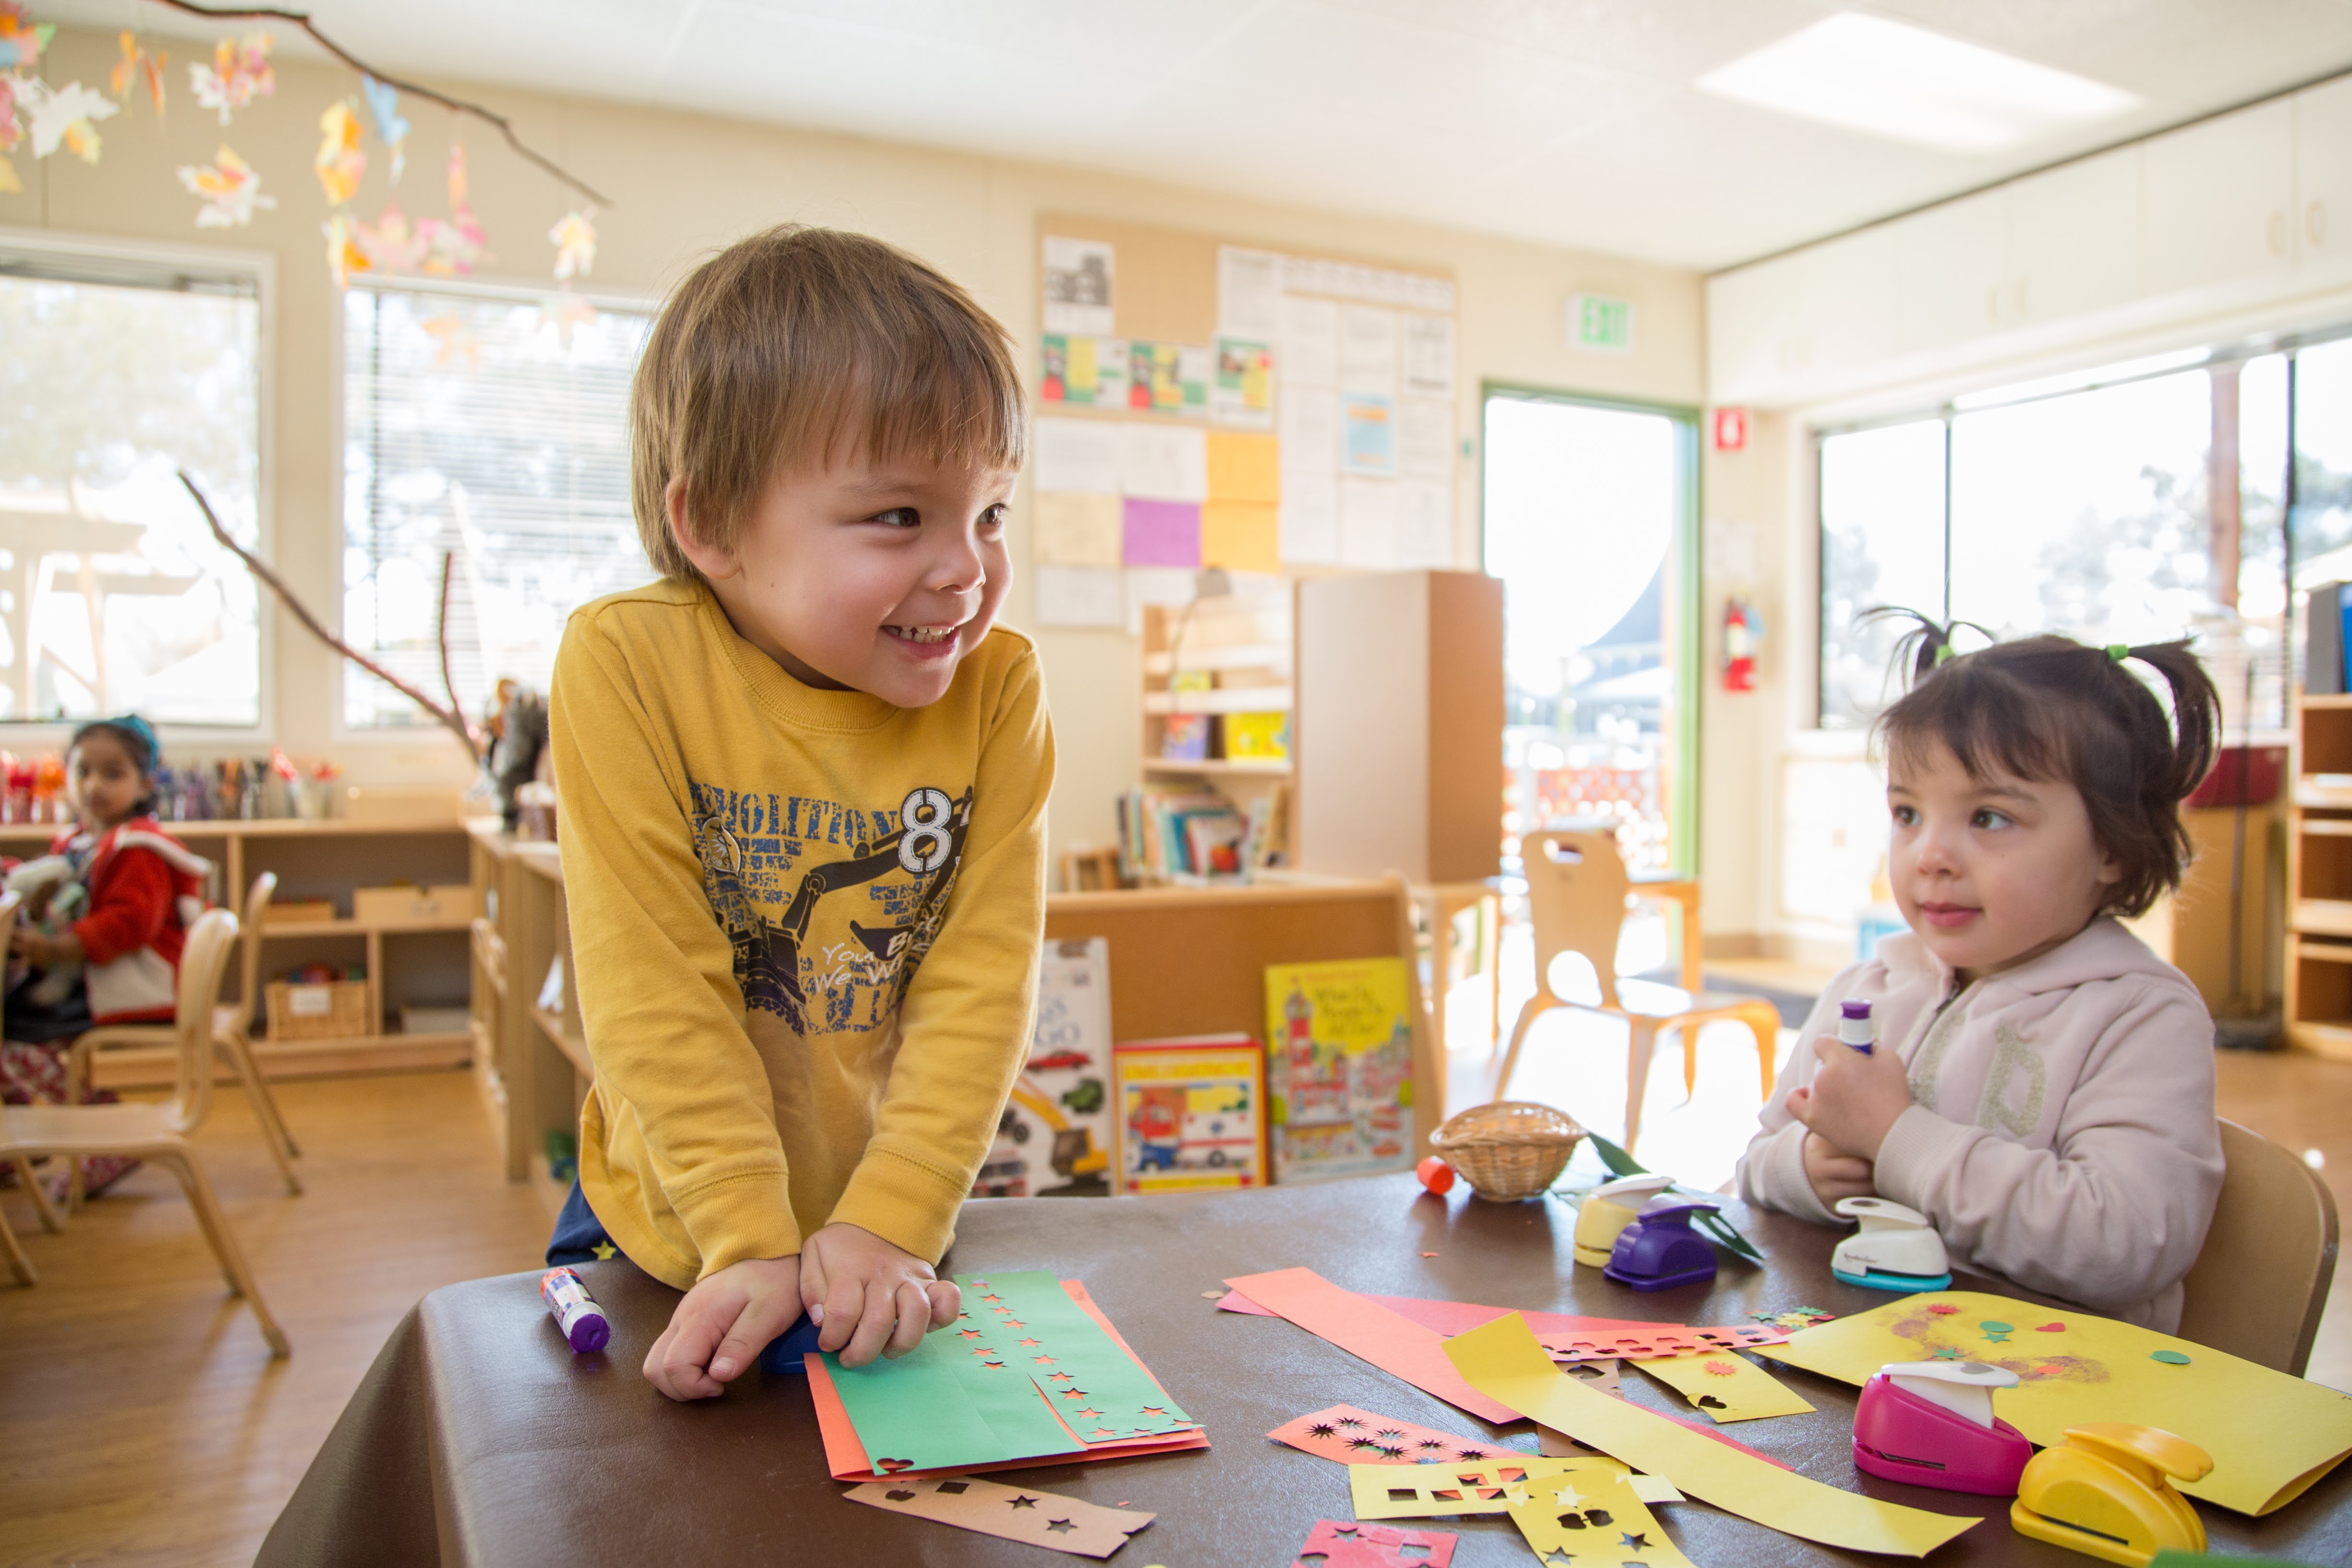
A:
[1371,1332]
[1353,1437]
[844,1456]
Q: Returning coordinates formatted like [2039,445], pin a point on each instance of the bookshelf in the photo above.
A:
[1218,690]
[531,1065]
[2319,879]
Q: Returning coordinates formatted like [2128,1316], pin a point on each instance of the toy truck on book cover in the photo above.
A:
[1055,1137]
[1340,1068]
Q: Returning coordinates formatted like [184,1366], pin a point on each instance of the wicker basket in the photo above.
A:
[1509,1151]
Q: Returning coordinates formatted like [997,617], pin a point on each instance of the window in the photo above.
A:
[488,430]
[113,595]
[2088,510]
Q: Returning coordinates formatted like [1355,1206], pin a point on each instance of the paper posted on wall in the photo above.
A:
[1055,1137]
[1078,286]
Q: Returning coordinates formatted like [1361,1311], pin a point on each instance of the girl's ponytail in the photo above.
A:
[1925,646]
[2196,738]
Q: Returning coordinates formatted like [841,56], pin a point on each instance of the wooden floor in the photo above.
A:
[141,1420]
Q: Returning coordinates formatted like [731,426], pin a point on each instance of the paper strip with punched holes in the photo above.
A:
[1594,1513]
[1333,1543]
[1726,1387]
[1015,1513]
[1354,1436]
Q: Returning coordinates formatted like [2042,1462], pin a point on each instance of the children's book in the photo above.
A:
[1192,1114]
[1053,1139]
[1339,1062]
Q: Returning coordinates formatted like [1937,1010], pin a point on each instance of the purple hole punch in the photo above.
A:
[1660,1251]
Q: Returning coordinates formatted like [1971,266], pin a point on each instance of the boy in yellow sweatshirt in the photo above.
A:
[804,780]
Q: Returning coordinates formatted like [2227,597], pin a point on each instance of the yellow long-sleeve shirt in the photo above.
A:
[806,928]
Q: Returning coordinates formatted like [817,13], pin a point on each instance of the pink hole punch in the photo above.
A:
[1930,1423]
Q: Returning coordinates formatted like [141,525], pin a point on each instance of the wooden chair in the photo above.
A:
[1576,887]
[18,1264]
[2259,1287]
[232,1038]
[159,1133]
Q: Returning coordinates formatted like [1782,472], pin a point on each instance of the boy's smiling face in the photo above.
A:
[871,577]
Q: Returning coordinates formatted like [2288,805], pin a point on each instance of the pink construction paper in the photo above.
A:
[1161,533]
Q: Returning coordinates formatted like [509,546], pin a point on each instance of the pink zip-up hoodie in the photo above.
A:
[2064,1135]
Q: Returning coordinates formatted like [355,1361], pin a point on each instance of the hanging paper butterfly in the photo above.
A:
[574,238]
[7,113]
[239,73]
[455,340]
[21,42]
[341,161]
[62,116]
[565,311]
[388,243]
[383,103]
[231,190]
[345,257]
[454,248]
[137,64]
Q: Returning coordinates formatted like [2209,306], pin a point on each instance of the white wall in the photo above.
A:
[683,184]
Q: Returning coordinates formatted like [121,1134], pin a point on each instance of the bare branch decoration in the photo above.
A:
[302,19]
[452,716]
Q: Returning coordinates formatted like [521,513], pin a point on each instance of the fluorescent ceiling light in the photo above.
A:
[1889,80]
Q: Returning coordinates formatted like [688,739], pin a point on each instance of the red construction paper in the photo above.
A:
[1371,1332]
[1333,1543]
[1354,1436]
[844,1456]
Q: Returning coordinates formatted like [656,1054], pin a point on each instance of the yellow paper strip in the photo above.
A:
[1503,1361]
[1594,1515]
[1438,1492]
[1654,1488]
[2270,1435]
[1726,1386]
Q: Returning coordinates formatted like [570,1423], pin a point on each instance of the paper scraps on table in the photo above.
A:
[1354,1436]
[1031,1373]
[1334,1543]
[2270,1435]
[1726,1387]
[239,73]
[137,65]
[1489,1486]
[1504,1362]
[231,190]
[1554,1445]
[574,238]
[1370,1332]
[1594,1513]
[1567,1337]
[1013,1513]
[341,161]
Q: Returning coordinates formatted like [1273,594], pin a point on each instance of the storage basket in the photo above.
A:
[329,1010]
[1509,1151]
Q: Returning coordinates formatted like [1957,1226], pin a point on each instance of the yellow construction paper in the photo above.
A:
[1070,528]
[1241,536]
[1245,468]
[1593,1513]
[1503,1361]
[1726,1386]
[1484,1486]
[2270,1435]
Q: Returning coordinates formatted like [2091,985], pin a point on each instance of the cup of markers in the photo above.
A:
[585,1325]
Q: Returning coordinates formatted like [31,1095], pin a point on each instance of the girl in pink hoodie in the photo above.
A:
[2042,1089]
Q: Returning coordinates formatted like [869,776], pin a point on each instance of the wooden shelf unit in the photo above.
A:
[2319,879]
[1246,647]
[532,1066]
[425,966]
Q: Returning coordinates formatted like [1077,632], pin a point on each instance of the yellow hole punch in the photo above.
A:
[1608,1209]
[2104,1493]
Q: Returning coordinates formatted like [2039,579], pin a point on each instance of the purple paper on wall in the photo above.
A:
[1162,533]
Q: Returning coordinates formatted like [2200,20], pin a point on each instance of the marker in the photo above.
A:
[585,1327]
[1854,1028]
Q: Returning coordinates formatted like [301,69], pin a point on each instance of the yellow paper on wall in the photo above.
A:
[1503,1361]
[1075,529]
[1241,536]
[1728,1387]
[2270,1435]
[1245,467]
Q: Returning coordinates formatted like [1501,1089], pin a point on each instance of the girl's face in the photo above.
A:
[1993,871]
[103,781]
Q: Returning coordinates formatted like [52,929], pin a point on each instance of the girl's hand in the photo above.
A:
[44,952]
[1855,1099]
[1834,1176]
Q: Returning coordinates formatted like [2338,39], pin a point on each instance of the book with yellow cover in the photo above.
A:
[1338,1068]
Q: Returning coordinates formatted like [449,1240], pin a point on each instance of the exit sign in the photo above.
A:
[1598,324]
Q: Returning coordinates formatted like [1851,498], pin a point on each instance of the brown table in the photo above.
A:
[478,1429]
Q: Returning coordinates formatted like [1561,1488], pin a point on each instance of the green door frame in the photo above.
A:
[1682,804]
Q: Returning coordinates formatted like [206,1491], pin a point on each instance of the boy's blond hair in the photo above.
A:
[799,347]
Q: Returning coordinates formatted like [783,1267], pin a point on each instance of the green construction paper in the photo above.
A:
[919,1408]
[1072,1354]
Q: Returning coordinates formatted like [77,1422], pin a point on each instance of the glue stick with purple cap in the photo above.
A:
[1854,1028]
[576,1312]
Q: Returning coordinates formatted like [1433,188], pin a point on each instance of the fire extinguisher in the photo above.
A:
[1743,629]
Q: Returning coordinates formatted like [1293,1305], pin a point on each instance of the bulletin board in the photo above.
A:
[1209,403]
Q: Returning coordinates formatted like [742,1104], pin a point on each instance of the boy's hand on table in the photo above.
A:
[722,1325]
[1855,1100]
[1835,1176]
[869,1296]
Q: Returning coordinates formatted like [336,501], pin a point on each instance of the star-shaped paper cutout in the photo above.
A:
[1023,1500]
[1720,1368]
[1350,1421]
[1060,1377]
[1104,1432]
[1041,1361]
[1569,1497]
[994,1299]
[1156,1410]
[1322,1430]
[1634,1542]
[605,1252]
[1029,1345]
[1096,1415]
[1060,1526]
[1469,1454]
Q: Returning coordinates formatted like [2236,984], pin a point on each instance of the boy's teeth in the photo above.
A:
[925,633]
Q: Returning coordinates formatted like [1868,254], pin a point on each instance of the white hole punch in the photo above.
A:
[1896,1249]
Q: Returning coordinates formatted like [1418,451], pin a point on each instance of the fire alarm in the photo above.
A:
[1731,430]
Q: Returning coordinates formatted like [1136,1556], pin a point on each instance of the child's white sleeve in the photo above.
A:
[2114,1211]
[1772,1171]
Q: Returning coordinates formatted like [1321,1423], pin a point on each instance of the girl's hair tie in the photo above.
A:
[2119,652]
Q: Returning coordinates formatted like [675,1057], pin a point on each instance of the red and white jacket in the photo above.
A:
[146,888]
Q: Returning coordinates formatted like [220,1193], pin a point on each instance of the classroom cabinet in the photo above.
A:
[1952,272]
[2074,239]
[2322,164]
[1751,315]
[2220,199]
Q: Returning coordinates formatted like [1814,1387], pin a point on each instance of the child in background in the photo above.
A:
[803,783]
[105,916]
[2042,1089]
